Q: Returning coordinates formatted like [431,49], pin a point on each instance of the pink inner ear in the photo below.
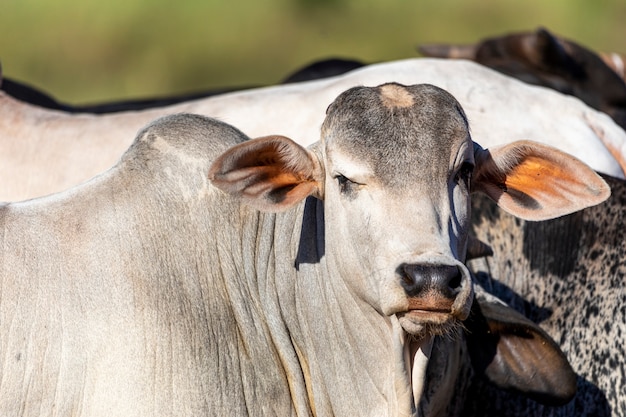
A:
[537,182]
[270,174]
[283,199]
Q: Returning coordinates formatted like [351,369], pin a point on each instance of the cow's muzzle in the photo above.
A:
[442,280]
[438,295]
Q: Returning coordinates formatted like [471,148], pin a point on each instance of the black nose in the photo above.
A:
[418,279]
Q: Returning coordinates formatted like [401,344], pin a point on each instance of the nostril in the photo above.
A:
[417,278]
[456,282]
[414,279]
[450,281]
[406,278]
[455,279]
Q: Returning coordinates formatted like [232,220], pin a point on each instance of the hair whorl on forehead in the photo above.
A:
[395,95]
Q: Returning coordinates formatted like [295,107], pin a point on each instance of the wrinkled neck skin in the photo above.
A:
[352,359]
[411,359]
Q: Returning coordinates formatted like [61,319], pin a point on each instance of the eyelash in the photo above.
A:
[345,184]
[464,174]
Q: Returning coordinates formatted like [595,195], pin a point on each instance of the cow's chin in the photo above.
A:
[420,323]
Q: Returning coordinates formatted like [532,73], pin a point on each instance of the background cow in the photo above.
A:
[568,275]
[149,291]
[44,151]
[542,58]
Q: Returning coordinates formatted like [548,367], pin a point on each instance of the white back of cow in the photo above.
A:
[44,151]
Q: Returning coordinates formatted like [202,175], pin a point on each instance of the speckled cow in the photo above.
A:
[568,275]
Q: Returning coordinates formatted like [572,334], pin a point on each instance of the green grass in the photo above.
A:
[89,51]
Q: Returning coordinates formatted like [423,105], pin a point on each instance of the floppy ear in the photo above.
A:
[536,182]
[553,55]
[476,248]
[515,354]
[271,173]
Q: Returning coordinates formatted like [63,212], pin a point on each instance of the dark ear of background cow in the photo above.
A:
[515,354]
[535,57]
[476,248]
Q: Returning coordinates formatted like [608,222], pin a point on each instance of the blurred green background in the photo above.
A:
[92,50]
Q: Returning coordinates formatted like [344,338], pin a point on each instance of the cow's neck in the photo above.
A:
[339,355]
[355,360]
[411,362]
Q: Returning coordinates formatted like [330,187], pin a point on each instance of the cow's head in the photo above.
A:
[395,168]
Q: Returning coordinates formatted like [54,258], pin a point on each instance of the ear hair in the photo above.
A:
[535,181]
[271,173]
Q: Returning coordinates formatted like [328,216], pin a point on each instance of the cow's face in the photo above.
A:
[398,165]
[395,167]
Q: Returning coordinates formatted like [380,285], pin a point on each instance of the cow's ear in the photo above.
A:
[515,354]
[270,173]
[536,182]
[476,248]
[553,55]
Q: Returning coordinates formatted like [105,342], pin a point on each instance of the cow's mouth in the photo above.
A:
[428,316]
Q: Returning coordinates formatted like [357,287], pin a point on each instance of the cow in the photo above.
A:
[44,151]
[568,275]
[542,58]
[209,274]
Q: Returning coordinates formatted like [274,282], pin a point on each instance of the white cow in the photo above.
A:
[158,288]
[44,151]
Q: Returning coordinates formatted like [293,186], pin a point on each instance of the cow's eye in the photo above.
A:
[346,186]
[464,174]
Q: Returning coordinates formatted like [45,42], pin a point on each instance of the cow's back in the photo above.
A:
[47,151]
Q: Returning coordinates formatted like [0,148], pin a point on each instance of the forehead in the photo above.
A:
[393,128]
